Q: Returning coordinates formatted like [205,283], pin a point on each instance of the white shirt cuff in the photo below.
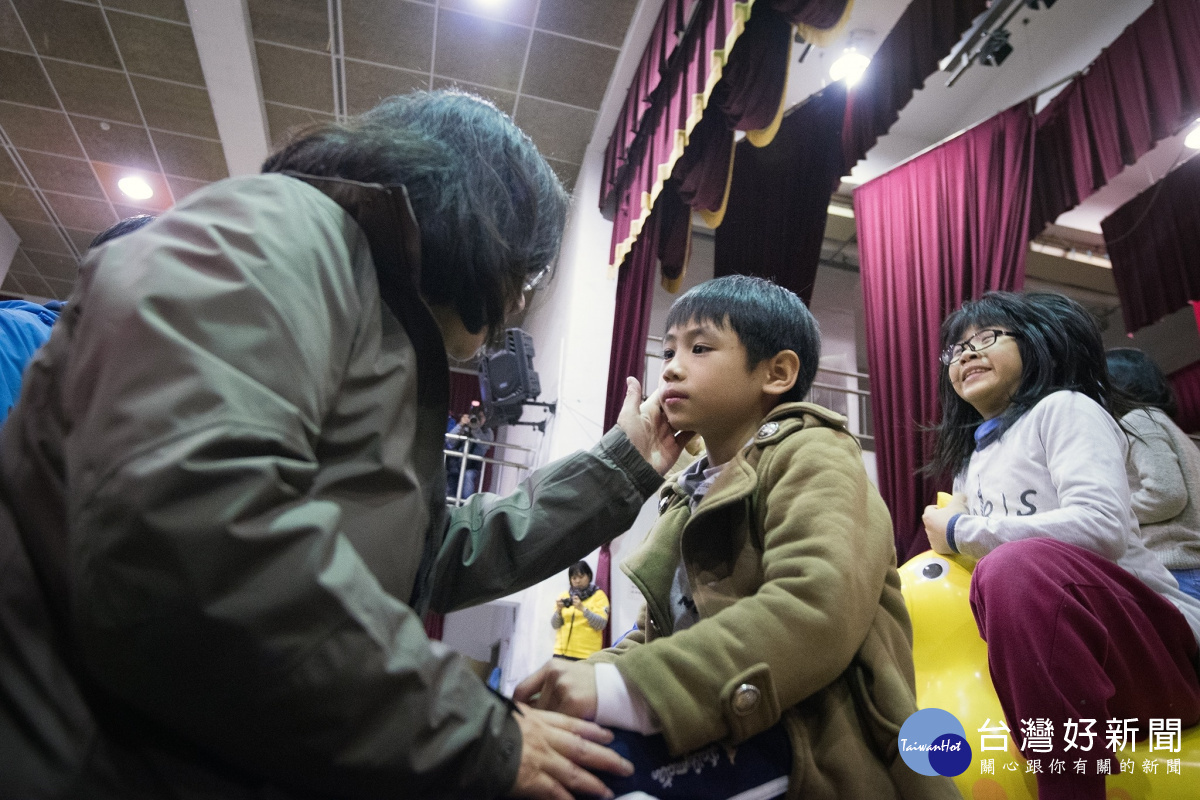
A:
[619,705]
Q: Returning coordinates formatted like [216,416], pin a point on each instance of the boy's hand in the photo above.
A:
[556,753]
[936,519]
[645,423]
[565,686]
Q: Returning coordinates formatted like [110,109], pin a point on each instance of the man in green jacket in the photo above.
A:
[221,493]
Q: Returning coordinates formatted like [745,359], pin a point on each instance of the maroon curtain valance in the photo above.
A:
[711,91]
[924,34]
[775,220]
[641,97]
[665,56]
[947,226]
[1154,244]
[1143,88]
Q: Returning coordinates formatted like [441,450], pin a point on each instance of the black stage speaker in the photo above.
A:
[507,378]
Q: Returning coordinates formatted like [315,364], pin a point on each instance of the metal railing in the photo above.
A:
[847,393]
[491,468]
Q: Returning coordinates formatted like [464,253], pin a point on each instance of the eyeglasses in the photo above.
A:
[535,281]
[980,341]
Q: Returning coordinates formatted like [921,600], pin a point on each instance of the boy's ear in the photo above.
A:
[782,369]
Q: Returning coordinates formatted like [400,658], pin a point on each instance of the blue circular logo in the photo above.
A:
[933,742]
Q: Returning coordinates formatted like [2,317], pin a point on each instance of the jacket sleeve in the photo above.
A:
[216,591]
[496,545]
[1156,484]
[827,551]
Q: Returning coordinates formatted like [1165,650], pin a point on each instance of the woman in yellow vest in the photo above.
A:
[579,616]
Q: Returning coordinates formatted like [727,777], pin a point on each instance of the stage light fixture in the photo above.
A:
[996,48]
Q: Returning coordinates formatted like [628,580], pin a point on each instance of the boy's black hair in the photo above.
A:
[1060,348]
[1132,371]
[125,226]
[580,568]
[766,317]
[490,209]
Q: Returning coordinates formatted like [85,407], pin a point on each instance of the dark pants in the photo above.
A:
[709,773]
[1070,636]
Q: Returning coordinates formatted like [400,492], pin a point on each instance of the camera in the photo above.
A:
[473,420]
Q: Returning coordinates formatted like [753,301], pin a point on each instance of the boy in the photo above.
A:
[773,620]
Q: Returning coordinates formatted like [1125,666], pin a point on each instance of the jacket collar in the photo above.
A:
[739,479]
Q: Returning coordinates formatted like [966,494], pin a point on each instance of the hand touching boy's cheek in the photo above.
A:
[568,687]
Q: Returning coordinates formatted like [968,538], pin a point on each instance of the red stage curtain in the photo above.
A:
[1154,244]
[464,387]
[1143,88]
[775,221]
[925,33]
[1186,383]
[942,228]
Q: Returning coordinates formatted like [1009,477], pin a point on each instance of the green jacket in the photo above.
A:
[222,516]
[793,572]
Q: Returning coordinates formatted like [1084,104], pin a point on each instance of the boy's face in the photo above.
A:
[707,387]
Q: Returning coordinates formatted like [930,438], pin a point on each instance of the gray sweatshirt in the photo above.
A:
[1164,479]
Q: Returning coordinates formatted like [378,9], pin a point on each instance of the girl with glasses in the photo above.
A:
[1083,624]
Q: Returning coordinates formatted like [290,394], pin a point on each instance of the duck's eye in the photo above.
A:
[933,570]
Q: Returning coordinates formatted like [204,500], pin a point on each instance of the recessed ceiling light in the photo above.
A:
[849,67]
[135,187]
[1193,138]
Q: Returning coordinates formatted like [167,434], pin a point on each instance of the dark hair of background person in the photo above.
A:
[1132,371]
[580,568]
[127,225]
[490,209]
[766,317]
[1060,348]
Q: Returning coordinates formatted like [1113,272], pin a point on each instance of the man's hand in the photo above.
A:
[936,519]
[556,753]
[645,423]
[565,686]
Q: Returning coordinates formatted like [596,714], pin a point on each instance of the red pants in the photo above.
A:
[1073,636]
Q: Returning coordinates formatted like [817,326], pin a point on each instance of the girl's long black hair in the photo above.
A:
[1060,348]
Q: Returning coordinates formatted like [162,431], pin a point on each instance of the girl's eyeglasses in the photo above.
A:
[980,341]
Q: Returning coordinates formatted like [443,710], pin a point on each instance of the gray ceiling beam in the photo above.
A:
[225,43]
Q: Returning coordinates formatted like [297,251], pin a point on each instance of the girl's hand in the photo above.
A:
[576,602]
[937,519]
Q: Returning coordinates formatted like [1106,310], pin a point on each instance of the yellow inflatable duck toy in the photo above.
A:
[952,674]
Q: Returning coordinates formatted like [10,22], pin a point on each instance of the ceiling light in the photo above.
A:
[1193,138]
[135,187]
[849,67]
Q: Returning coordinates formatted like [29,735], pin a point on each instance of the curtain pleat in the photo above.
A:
[942,228]
[1143,88]
[775,222]
[925,33]
[1153,242]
